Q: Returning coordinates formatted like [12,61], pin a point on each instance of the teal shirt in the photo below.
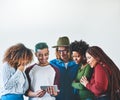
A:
[83,92]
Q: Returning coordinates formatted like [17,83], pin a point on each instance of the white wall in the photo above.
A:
[31,21]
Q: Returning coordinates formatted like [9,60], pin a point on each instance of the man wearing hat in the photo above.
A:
[42,74]
[67,67]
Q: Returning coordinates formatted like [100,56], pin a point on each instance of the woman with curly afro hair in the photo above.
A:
[78,49]
[15,82]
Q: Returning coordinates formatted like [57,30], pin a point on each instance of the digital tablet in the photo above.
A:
[45,87]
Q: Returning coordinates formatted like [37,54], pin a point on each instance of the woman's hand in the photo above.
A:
[21,68]
[84,81]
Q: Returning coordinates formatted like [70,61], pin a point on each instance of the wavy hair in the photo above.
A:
[15,54]
[102,58]
[58,54]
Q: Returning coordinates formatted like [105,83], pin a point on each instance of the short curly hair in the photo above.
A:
[80,47]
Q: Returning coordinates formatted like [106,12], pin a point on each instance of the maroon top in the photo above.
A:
[99,81]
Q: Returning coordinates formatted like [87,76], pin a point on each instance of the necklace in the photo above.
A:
[83,66]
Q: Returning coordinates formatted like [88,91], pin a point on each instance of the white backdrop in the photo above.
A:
[32,21]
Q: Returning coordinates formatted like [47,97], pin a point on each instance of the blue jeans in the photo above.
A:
[12,97]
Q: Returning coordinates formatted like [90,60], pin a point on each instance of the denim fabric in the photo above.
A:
[12,97]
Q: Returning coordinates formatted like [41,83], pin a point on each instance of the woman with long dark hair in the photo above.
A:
[105,81]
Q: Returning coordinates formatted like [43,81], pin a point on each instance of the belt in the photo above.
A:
[103,95]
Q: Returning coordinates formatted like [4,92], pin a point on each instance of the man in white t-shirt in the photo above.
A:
[42,74]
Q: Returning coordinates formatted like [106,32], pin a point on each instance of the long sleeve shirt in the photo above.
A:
[14,81]
[83,92]
[99,81]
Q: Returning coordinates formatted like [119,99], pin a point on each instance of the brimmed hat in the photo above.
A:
[40,45]
[62,41]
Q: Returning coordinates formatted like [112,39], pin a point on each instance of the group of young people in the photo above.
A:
[79,72]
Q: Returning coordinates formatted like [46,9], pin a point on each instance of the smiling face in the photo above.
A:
[63,52]
[42,55]
[76,57]
[90,60]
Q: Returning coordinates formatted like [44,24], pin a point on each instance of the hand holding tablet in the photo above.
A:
[55,87]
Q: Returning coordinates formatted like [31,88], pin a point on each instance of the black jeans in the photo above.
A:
[102,97]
